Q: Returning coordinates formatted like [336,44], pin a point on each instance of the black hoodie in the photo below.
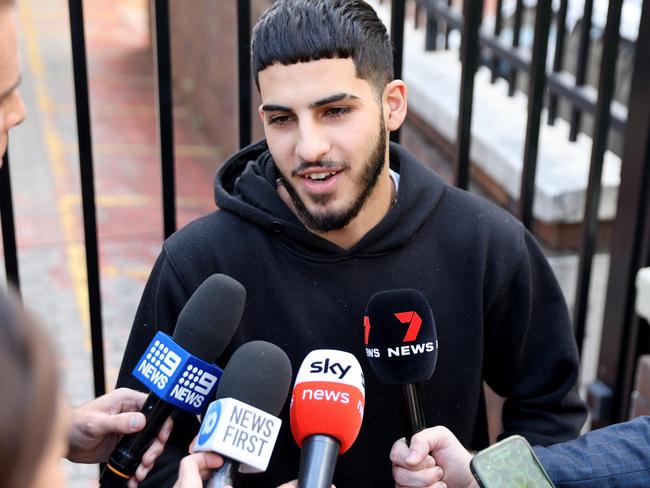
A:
[499,311]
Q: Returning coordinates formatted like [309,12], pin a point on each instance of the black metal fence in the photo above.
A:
[508,58]
[623,339]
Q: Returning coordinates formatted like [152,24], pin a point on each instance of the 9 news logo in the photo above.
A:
[160,364]
[194,379]
[175,375]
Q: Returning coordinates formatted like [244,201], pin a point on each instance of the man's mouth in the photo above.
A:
[319,180]
[326,175]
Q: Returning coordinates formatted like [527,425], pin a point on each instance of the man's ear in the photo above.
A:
[395,104]
[260,112]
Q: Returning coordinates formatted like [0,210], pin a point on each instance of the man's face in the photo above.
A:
[325,130]
[12,109]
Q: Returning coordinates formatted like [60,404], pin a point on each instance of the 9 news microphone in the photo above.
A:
[326,412]
[402,345]
[242,424]
[179,370]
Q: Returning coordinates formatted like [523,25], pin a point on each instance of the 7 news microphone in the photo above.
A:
[326,412]
[178,370]
[242,424]
[402,346]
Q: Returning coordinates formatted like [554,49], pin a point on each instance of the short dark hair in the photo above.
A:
[294,31]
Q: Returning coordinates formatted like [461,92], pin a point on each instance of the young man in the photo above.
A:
[324,213]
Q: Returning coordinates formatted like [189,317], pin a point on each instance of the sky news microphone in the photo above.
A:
[402,346]
[326,412]
[178,370]
[242,424]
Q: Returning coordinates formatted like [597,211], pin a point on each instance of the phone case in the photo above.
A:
[510,463]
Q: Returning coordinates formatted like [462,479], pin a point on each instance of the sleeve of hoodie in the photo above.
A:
[162,300]
[531,358]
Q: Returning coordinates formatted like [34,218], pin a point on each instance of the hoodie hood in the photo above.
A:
[246,186]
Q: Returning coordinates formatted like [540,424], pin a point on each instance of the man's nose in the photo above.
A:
[16,111]
[313,144]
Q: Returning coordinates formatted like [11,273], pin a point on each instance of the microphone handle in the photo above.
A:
[225,475]
[111,479]
[413,410]
[127,455]
[317,461]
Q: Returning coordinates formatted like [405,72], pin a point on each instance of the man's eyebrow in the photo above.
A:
[271,107]
[9,90]
[337,97]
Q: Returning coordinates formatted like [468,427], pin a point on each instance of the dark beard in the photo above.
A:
[367,181]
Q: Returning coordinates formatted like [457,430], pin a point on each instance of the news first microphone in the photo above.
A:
[178,370]
[402,346]
[242,424]
[326,412]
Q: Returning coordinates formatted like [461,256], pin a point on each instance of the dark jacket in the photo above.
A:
[500,314]
[617,456]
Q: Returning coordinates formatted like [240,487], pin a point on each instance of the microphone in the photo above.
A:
[242,424]
[402,345]
[326,412]
[178,370]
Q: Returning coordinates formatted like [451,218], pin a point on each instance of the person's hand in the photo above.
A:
[434,459]
[196,468]
[151,454]
[97,426]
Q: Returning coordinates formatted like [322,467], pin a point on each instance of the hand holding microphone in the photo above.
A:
[197,467]
[433,454]
[96,426]
[326,412]
[179,370]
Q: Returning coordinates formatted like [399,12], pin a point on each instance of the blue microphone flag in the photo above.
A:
[175,376]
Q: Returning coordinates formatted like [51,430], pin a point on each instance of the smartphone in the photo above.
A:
[510,463]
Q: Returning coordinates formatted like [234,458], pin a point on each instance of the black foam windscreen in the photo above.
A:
[258,374]
[210,317]
[400,336]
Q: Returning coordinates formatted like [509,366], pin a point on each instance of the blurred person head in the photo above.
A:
[12,108]
[33,423]
[33,419]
